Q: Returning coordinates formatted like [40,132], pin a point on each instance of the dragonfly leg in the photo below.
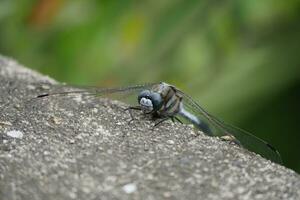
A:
[129,109]
[161,121]
[149,112]
[173,118]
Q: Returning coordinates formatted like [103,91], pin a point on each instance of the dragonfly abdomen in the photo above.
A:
[194,120]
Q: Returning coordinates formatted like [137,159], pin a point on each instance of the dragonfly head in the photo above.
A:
[150,101]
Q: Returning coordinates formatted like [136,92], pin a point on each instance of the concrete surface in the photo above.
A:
[84,148]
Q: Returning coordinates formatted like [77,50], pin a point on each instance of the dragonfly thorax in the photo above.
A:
[150,101]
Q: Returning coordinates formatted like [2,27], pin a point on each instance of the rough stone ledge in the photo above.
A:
[84,148]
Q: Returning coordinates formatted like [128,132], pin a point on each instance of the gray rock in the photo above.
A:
[84,148]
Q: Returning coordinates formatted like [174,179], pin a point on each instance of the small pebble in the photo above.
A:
[56,120]
[45,87]
[167,194]
[5,123]
[171,142]
[31,87]
[15,134]
[95,110]
[129,188]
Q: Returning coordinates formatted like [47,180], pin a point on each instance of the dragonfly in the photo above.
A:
[164,101]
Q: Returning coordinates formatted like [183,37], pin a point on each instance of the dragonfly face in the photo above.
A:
[162,99]
[166,101]
[150,101]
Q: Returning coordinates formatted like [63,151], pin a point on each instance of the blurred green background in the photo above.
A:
[240,59]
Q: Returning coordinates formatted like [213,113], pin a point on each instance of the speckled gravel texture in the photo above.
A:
[85,148]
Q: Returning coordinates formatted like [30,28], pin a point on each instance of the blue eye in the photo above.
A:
[156,100]
[144,93]
[154,97]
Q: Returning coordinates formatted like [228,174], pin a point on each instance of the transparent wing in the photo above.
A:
[219,128]
[114,93]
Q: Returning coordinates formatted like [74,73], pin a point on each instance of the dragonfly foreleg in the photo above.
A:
[129,109]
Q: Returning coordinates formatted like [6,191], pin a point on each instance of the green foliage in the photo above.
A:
[238,58]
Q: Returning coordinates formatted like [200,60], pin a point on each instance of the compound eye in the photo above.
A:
[156,101]
[143,94]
